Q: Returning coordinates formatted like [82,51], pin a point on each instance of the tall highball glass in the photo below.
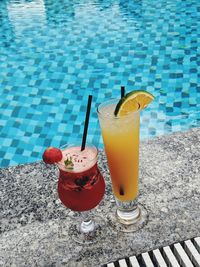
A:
[121,142]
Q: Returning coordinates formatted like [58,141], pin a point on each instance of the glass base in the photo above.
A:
[128,221]
[88,232]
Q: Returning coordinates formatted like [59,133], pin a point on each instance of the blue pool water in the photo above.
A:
[54,53]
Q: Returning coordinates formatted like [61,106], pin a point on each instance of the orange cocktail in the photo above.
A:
[121,141]
[120,124]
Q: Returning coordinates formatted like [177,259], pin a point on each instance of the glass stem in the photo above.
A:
[87,224]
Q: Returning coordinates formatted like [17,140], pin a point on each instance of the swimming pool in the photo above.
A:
[54,53]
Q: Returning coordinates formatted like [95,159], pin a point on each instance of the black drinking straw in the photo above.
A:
[122,91]
[86,122]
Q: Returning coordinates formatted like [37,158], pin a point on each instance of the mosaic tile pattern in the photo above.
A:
[54,53]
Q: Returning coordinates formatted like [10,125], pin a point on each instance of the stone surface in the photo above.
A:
[33,222]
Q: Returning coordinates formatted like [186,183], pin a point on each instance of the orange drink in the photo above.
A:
[120,124]
[121,141]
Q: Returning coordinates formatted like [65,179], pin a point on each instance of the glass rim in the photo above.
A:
[113,116]
[78,145]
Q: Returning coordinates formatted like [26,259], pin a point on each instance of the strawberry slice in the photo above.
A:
[52,155]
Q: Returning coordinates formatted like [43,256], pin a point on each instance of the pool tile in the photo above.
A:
[49,66]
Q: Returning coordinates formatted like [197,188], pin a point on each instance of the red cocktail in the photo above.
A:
[80,188]
[81,185]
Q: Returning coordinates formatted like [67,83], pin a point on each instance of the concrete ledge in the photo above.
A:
[31,215]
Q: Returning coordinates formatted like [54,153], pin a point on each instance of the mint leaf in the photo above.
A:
[69,164]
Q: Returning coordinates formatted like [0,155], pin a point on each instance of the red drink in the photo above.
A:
[81,185]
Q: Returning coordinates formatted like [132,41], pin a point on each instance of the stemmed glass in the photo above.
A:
[81,187]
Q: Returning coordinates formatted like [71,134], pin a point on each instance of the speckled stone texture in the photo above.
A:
[32,218]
